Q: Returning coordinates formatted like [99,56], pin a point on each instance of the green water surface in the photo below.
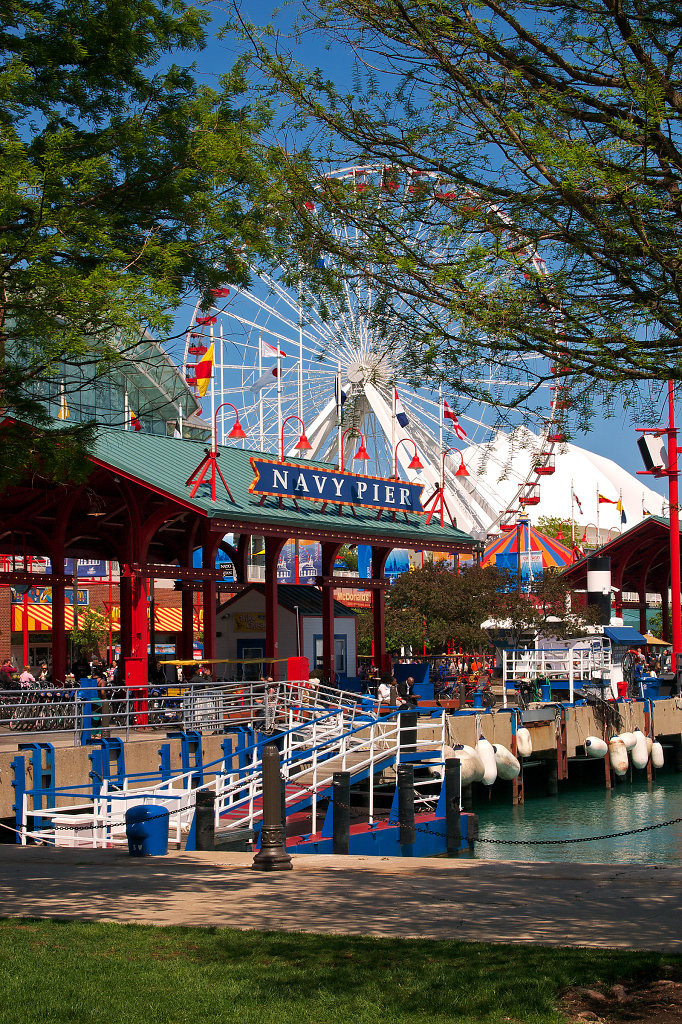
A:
[589,810]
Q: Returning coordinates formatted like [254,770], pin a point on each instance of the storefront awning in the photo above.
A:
[39,618]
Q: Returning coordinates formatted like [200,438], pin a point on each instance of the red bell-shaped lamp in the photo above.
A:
[303,444]
[362,453]
[237,433]
[415,463]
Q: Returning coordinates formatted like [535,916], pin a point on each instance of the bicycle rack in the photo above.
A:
[110,754]
[18,766]
[191,755]
[43,777]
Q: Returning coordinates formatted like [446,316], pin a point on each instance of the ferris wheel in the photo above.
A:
[336,360]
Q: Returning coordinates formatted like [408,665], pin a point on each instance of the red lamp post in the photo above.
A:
[209,463]
[302,445]
[437,500]
[672,473]
[414,464]
[361,453]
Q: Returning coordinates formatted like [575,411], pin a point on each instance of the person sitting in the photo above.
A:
[406,699]
[26,679]
[45,676]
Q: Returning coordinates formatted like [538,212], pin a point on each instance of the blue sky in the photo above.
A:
[614,437]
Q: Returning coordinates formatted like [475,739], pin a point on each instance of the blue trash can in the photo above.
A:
[147,830]
[478,699]
[546,691]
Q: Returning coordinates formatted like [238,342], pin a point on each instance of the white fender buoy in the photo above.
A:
[596,747]
[640,753]
[618,755]
[649,745]
[524,743]
[485,751]
[438,770]
[657,758]
[471,769]
[508,766]
[629,739]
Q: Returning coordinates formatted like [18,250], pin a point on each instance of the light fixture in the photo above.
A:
[237,433]
[303,444]
[361,453]
[415,463]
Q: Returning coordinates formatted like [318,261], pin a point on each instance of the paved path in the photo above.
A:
[634,906]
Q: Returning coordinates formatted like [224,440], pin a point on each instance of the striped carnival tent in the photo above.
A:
[525,547]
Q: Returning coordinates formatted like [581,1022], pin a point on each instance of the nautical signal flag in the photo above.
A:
[270,351]
[340,394]
[619,506]
[134,422]
[400,414]
[265,379]
[63,413]
[203,371]
[578,502]
[448,414]
[605,501]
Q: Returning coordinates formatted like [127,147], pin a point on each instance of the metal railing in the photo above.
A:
[85,712]
[575,665]
[312,749]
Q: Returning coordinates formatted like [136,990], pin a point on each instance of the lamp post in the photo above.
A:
[209,463]
[671,471]
[302,445]
[414,464]
[361,453]
[437,499]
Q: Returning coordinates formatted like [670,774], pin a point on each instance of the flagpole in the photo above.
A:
[339,434]
[214,429]
[393,428]
[598,515]
[279,391]
[572,517]
[222,385]
[300,351]
[181,418]
[440,417]
[260,393]
[126,411]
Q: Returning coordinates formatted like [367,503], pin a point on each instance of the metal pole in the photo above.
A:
[673,491]
[406,804]
[272,855]
[341,813]
[205,820]
[453,799]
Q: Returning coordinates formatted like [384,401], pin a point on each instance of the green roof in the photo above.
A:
[164,464]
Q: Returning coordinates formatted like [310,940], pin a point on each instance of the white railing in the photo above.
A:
[578,664]
[312,750]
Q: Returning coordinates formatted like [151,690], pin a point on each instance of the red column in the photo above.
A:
[674,496]
[665,616]
[187,635]
[381,658]
[136,630]
[209,596]
[273,548]
[58,626]
[329,553]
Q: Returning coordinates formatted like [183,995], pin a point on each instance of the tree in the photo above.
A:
[124,185]
[90,632]
[551,526]
[548,136]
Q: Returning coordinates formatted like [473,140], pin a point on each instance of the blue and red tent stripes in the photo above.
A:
[555,555]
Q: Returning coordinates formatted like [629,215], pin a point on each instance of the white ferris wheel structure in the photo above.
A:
[316,350]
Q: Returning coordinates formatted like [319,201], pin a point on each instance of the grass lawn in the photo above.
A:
[52,971]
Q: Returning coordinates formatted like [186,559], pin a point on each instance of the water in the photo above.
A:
[587,810]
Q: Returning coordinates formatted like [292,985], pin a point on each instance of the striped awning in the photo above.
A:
[39,618]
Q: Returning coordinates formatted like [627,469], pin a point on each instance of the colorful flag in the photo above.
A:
[400,413]
[605,501]
[204,371]
[177,433]
[448,414]
[340,394]
[265,379]
[577,501]
[134,422]
[646,512]
[270,351]
[619,506]
[63,413]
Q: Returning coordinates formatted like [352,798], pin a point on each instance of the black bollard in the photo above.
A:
[205,820]
[462,693]
[406,804]
[408,732]
[341,813]
[453,824]
[272,855]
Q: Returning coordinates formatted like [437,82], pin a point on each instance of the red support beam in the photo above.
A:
[381,658]
[187,635]
[329,553]
[58,624]
[273,548]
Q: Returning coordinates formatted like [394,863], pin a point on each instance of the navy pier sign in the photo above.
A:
[289,480]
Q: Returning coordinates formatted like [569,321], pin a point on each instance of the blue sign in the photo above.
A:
[88,568]
[284,479]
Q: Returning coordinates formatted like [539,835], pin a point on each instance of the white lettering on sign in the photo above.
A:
[404,495]
[301,485]
[338,484]
[376,492]
[362,487]
[280,477]
[320,481]
[390,494]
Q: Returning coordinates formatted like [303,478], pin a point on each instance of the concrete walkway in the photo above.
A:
[630,907]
